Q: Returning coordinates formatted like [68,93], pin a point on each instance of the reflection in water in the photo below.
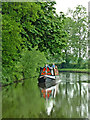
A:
[74,77]
[49,94]
[67,99]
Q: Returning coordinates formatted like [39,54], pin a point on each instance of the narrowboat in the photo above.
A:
[48,74]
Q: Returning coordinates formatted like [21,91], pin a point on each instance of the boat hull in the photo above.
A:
[47,84]
[43,79]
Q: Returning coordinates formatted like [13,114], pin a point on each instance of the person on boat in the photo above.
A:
[56,70]
[53,66]
[47,66]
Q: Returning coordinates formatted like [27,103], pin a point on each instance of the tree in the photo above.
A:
[76,28]
[79,32]
[50,31]
[67,52]
[16,18]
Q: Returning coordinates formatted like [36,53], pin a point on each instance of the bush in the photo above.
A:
[27,66]
[31,62]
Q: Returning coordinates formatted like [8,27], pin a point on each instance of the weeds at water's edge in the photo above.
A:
[16,81]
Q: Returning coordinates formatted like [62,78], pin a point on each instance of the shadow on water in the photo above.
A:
[66,99]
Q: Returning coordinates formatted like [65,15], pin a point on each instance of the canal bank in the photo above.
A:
[75,70]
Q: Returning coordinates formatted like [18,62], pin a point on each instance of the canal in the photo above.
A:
[66,99]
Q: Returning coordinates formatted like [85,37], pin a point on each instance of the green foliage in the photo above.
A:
[29,25]
[30,63]
[49,34]
[76,28]
[26,26]
[11,40]
[74,66]
[28,66]
[79,31]
[16,18]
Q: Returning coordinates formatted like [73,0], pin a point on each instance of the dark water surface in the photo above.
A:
[67,99]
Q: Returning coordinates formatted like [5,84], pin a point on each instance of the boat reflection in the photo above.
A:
[49,91]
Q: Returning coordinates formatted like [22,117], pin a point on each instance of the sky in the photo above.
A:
[63,5]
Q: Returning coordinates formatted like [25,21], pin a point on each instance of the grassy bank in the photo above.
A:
[75,70]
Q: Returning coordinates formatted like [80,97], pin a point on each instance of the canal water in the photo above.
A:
[66,99]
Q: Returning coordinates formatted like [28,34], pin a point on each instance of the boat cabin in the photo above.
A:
[46,71]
